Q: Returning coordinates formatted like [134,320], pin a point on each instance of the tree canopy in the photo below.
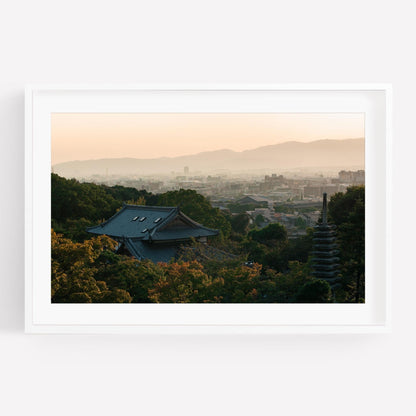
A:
[197,207]
[347,212]
[246,264]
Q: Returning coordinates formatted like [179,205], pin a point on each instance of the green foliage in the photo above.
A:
[73,271]
[74,229]
[259,220]
[265,266]
[254,250]
[267,247]
[181,283]
[116,296]
[299,248]
[271,235]
[347,212]
[197,207]
[283,287]
[75,204]
[90,272]
[127,273]
[300,223]
[239,284]
[240,223]
[315,291]
[348,206]
[75,200]
[122,193]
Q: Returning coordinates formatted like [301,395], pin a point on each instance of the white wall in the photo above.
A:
[214,41]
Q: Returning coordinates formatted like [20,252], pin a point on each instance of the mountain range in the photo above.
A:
[342,154]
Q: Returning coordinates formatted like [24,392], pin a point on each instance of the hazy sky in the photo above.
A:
[86,136]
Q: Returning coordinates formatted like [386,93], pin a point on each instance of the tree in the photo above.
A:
[123,193]
[347,211]
[315,291]
[74,200]
[240,284]
[73,271]
[116,296]
[197,207]
[268,246]
[259,220]
[300,223]
[271,235]
[240,223]
[300,248]
[127,273]
[183,282]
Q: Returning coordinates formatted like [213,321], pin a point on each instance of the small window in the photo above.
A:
[158,219]
[135,218]
[145,230]
[142,219]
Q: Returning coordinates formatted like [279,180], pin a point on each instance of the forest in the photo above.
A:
[243,264]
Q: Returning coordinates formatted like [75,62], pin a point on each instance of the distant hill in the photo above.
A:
[288,155]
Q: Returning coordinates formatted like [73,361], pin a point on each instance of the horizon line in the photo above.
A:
[210,151]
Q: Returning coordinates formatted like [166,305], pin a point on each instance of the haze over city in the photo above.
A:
[234,197]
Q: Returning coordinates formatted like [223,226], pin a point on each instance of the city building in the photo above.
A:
[352,177]
[254,199]
[154,233]
[317,190]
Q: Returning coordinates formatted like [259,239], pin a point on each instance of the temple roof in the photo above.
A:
[149,223]
[155,252]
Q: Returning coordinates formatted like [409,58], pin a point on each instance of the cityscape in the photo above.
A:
[293,200]
[208,208]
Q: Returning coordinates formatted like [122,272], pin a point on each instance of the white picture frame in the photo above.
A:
[374,316]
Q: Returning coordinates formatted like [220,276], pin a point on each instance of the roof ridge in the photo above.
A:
[196,223]
[151,207]
[165,221]
[131,247]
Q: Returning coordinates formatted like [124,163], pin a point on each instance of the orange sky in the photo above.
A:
[86,136]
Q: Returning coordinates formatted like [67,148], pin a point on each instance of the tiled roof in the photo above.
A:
[155,252]
[141,228]
[149,223]
[132,220]
[180,234]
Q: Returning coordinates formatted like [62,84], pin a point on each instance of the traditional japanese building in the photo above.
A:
[325,260]
[154,233]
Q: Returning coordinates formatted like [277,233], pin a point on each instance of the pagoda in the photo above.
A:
[325,249]
[154,233]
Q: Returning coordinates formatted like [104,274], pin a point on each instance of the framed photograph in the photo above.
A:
[223,209]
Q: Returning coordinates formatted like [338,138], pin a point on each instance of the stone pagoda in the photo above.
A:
[325,261]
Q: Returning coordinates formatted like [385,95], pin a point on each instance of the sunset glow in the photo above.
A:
[86,136]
